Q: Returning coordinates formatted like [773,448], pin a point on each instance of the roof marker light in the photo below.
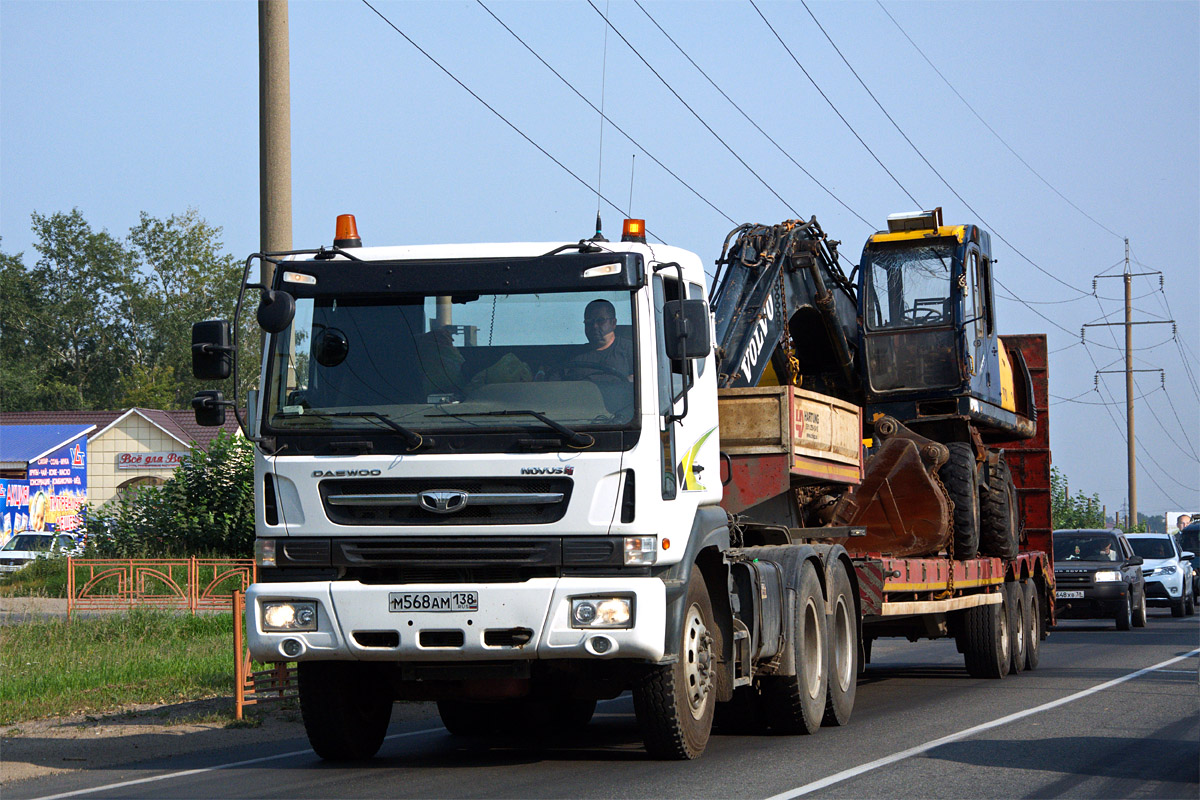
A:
[634,230]
[299,277]
[603,269]
[346,234]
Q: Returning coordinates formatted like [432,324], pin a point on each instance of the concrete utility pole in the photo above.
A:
[274,132]
[1127,276]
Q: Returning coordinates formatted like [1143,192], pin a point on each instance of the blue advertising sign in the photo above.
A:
[51,498]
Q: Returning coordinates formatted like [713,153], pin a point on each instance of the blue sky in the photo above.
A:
[117,108]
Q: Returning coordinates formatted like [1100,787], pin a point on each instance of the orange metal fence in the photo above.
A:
[251,686]
[191,584]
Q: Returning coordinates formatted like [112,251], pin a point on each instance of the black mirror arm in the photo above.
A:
[237,314]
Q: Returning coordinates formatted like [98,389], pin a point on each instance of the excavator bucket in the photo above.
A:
[900,502]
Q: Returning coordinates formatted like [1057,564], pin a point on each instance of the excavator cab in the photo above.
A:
[928,329]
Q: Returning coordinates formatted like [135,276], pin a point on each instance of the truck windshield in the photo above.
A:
[450,362]
[908,285]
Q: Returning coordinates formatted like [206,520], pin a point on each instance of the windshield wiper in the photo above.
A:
[411,437]
[573,438]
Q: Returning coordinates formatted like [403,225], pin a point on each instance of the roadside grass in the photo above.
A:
[95,664]
[42,577]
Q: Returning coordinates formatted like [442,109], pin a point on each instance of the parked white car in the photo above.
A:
[25,547]
[1168,572]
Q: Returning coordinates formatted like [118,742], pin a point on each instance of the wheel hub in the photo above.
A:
[697,662]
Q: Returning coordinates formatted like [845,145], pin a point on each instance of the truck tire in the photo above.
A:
[985,641]
[999,527]
[1014,600]
[1124,616]
[961,480]
[1033,624]
[674,703]
[842,672]
[796,703]
[345,712]
[1139,610]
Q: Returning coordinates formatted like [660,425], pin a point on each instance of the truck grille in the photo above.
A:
[446,501]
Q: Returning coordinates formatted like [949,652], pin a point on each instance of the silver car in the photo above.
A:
[25,547]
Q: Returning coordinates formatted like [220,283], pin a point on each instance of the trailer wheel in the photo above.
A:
[1033,624]
[843,650]
[985,641]
[1015,601]
[674,703]
[998,510]
[961,480]
[796,703]
[345,713]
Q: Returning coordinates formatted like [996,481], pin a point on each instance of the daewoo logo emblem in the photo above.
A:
[443,501]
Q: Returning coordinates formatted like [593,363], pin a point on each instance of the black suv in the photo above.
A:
[1097,576]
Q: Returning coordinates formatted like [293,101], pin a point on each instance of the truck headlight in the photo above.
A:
[288,615]
[601,612]
[641,551]
[264,552]
[1106,576]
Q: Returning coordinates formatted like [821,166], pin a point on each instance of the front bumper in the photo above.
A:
[353,620]
[1165,589]
[1099,601]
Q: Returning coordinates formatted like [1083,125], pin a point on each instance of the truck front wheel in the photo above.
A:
[345,710]
[674,703]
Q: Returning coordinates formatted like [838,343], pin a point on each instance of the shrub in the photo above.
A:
[206,507]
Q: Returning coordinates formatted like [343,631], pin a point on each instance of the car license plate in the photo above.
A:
[433,601]
[1069,595]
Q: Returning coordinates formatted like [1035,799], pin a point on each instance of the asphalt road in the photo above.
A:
[1106,715]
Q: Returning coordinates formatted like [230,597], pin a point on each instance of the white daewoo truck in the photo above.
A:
[491,476]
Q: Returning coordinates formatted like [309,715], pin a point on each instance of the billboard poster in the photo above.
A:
[52,497]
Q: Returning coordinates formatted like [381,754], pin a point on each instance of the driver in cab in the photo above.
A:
[608,357]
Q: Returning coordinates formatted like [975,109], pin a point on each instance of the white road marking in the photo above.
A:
[231,765]
[854,772]
[187,772]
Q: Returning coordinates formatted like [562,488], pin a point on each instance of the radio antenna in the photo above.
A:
[603,77]
[632,164]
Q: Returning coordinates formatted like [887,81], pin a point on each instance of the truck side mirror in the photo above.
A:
[212,354]
[685,333]
[209,406]
[275,310]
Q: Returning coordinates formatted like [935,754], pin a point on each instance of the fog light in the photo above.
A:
[291,648]
[602,612]
[289,616]
[601,644]
[641,551]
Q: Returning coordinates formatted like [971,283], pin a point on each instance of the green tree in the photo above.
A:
[205,508]
[1078,511]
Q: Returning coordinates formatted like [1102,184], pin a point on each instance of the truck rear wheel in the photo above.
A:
[961,479]
[796,703]
[985,641]
[998,525]
[345,711]
[1033,624]
[1015,601]
[674,703]
[843,650]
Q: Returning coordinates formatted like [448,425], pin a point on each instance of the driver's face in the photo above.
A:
[598,325]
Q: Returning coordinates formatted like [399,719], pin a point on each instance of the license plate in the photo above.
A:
[1069,595]
[433,601]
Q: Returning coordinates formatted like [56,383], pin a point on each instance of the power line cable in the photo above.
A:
[748,118]
[614,125]
[917,150]
[693,112]
[835,108]
[502,118]
[1170,436]
[989,127]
